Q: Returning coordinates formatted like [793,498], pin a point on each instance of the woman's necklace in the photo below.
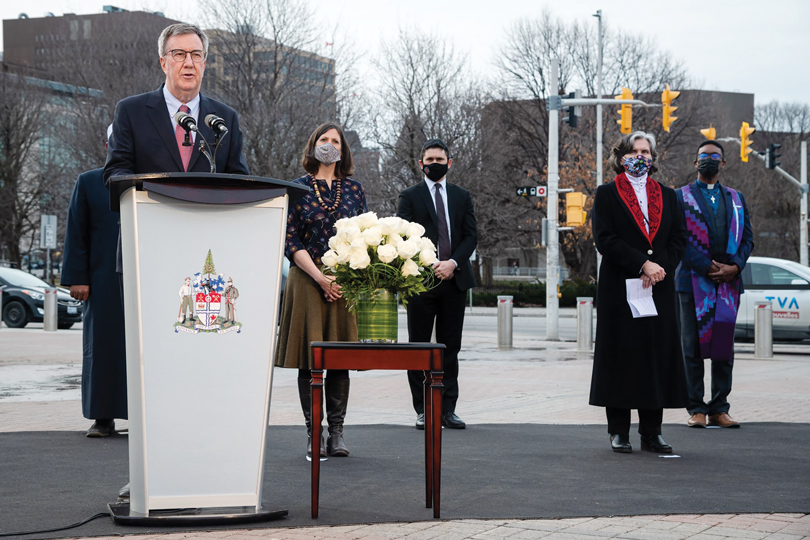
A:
[326,207]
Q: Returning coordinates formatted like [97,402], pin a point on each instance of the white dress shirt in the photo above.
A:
[432,188]
[640,187]
[173,105]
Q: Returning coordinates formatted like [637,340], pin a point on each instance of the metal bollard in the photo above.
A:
[504,322]
[51,310]
[584,323]
[763,329]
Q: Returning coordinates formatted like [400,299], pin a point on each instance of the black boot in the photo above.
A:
[305,393]
[337,398]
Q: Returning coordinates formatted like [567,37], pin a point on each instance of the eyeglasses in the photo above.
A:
[179,55]
[716,157]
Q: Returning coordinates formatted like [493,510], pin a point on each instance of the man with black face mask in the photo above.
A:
[446,212]
[719,243]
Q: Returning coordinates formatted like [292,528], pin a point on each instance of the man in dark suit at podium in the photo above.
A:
[446,212]
[146,137]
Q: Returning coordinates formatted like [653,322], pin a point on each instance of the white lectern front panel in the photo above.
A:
[201,295]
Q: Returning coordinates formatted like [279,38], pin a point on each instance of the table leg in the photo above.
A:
[315,412]
[428,401]
[436,461]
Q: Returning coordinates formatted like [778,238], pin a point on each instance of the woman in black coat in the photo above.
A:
[640,233]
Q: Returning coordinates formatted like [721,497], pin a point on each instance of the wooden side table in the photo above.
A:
[426,357]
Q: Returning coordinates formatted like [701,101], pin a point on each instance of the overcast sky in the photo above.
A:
[753,46]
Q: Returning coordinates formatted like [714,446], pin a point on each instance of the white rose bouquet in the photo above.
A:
[367,254]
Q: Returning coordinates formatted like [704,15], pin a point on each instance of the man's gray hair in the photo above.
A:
[180,29]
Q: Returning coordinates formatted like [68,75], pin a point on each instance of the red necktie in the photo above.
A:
[180,135]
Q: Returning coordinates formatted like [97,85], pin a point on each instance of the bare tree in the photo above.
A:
[264,64]
[29,155]
[520,103]
[782,117]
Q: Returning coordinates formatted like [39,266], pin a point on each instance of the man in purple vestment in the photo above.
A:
[709,285]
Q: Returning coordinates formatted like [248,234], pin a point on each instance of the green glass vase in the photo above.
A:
[377,317]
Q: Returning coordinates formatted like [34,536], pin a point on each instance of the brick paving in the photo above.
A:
[539,382]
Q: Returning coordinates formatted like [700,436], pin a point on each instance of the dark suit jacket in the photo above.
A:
[694,259]
[143,138]
[416,204]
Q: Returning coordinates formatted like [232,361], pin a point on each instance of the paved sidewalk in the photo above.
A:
[536,382]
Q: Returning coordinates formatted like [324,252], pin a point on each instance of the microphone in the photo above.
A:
[217,124]
[186,121]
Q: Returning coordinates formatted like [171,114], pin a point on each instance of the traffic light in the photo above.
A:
[573,111]
[625,120]
[667,97]
[745,142]
[770,157]
[574,215]
[710,133]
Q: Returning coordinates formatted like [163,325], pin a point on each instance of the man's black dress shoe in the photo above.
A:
[655,443]
[420,421]
[620,443]
[101,428]
[450,420]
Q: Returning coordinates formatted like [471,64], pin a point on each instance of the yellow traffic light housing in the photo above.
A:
[625,120]
[710,133]
[667,97]
[745,142]
[574,215]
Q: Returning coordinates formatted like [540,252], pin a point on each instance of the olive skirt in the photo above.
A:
[306,317]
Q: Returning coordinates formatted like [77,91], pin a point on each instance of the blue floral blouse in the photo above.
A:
[310,227]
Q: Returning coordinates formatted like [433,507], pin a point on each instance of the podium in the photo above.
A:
[202,258]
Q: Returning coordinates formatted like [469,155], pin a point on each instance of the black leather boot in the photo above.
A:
[655,443]
[620,443]
[337,398]
[305,393]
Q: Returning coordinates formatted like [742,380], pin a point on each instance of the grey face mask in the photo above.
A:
[327,154]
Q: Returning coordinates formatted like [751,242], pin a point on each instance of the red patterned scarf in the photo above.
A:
[654,204]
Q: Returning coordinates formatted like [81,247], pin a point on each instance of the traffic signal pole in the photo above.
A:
[803,223]
[599,158]
[553,248]
[803,189]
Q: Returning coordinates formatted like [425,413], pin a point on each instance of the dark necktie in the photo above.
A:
[444,236]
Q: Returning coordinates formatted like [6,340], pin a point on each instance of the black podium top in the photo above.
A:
[210,188]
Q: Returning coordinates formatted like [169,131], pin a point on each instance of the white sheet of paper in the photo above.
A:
[640,299]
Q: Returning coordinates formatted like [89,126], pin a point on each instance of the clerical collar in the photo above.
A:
[704,185]
[638,182]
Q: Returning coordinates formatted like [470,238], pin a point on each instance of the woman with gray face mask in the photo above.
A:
[314,309]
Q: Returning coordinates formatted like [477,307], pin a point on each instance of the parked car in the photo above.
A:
[24,300]
[787,285]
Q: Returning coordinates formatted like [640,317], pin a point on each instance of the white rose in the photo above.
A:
[428,257]
[415,231]
[387,253]
[341,223]
[344,255]
[426,244]
[402,229]
[369,219]
[409,268]
[394,239]
[373,236]
[359,243]
[333,242]
[348,233]
[330,259]
[389,224]
[407,249]
[359,259]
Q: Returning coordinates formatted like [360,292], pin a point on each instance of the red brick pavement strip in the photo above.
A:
[684,527]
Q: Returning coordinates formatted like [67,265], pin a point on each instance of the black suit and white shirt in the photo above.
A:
[446,303]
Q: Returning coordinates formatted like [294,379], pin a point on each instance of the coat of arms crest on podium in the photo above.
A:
[207,302]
